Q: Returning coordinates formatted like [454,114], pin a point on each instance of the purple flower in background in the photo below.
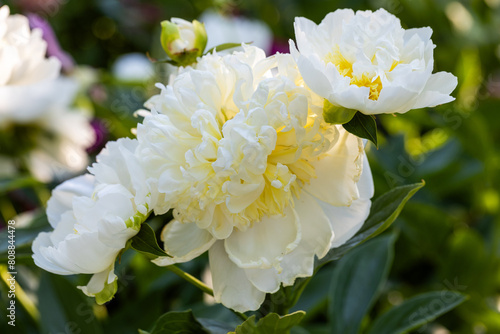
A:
[279,45]
[101,133]
[53,47]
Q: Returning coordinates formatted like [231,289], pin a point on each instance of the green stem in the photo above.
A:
[240,315]
[302,285]
[199,284]
[191,279]
[281,301]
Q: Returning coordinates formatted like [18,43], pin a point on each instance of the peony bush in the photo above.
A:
[258,160]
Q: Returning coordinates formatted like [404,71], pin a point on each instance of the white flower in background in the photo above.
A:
[93,217]
[183,41]
[236,29]
[38,129]
[61,135]
[366,61]
[253,173]
[133,67]
[25,70]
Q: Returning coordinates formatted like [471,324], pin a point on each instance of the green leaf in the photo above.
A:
[225,46]
[63,308]
[356,283]
[363,126]
[177,323]
[383,213]
[337,114]
[145,242]
[387,208]
[9,184]
[416,312]
[270,324]
[25,235]
[214,326]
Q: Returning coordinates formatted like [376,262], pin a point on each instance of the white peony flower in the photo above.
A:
[25,70]
[93,217]
[38,129]
[62,136]
[366,61]
[253,173]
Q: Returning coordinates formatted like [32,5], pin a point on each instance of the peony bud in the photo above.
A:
[183,41]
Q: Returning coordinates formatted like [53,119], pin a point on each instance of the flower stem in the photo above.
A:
[199,284]
[191,279]
[240,315]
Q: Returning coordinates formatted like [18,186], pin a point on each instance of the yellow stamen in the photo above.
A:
[394,64]
[343,65]
[345,69]
[366,81]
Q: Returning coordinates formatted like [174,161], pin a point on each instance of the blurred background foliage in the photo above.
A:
[449,233]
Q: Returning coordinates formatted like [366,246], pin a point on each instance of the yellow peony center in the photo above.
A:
[374,83]
[289,166]
[344,67]
[242,165]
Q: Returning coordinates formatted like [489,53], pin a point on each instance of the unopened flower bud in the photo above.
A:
[183,41]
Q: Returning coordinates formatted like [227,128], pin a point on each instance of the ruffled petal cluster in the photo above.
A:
[366,61]
[94,216]
[238,148]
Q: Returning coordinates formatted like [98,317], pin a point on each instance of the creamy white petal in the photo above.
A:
[338,172]
[62,196]
[118,163]
[317,237]
[76,254]
[317,234]
[183,242]
[266,280]
[265,243]
[99,280]
[438,90]
[346,221]
[365,184]
[220,226]
[43,241]
[231,285]
[313,75]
